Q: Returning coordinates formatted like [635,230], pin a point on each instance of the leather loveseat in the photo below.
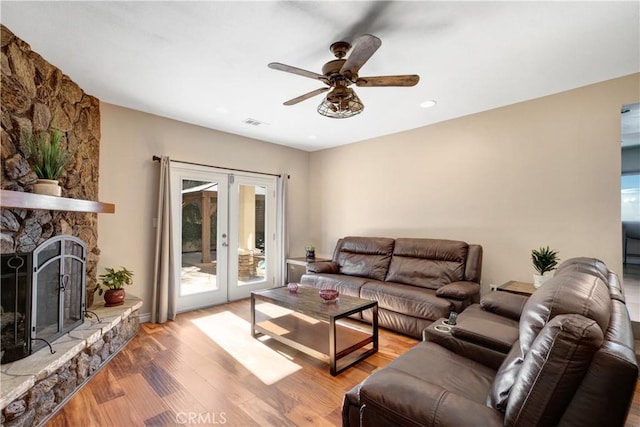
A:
[572,364]
[415,281]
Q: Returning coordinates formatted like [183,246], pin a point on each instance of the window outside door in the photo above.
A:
[224,229]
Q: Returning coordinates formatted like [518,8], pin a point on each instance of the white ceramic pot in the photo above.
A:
[48,187]
[539,280]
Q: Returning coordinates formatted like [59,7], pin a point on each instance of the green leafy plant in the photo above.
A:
[310,248]
[45,153]
[544,259]
[113,279]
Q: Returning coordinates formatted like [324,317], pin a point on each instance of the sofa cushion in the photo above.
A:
[346,285]
[597,268]
[591,266]
[365,256]
[505,377]
[443,368]
[429,263]
[427,382]
[569,291]
[553,370]
[409,300]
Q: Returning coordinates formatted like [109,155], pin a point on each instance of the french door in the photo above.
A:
[224,235]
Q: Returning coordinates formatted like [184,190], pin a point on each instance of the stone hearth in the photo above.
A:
[34,388]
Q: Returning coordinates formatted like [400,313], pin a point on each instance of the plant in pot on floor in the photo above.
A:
[545,261]
[48,160]
[113,281]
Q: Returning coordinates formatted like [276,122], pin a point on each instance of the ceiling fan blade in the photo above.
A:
[406,80]
[299,71]
[364,47]
[306,96]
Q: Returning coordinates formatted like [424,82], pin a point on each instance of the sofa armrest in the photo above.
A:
[393,397]
[459,290]
[489,334]
[504,304]
[323,267]
[482,354]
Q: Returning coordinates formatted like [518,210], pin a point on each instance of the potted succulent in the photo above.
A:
[113,281]
[310,251]
[544,260]
[48,160]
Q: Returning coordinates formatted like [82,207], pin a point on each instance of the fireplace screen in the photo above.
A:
[58,288]
[43,295]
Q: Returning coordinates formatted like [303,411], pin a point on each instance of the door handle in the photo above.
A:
[225,244]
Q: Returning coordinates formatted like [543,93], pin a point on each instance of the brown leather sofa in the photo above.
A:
[415,281]
[572,364]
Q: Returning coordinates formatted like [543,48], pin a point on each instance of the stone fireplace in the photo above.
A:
[36,97]
[42,294]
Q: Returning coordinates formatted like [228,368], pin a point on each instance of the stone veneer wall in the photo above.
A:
[36,96]
[50,393]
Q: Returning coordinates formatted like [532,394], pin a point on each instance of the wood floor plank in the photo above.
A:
[119,412]
[174,374]
[80,410]
[142,396]
[107,387]
[264,414]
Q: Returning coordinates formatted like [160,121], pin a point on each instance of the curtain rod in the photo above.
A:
[157,159]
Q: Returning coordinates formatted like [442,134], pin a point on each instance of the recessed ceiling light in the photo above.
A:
[222,110]
[428,104]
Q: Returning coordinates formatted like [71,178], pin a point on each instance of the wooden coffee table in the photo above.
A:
[305,322]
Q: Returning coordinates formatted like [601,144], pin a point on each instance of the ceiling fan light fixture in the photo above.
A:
[341,104]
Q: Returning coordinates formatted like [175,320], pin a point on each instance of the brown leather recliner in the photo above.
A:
[573,364]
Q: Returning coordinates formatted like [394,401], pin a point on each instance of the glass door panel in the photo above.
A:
[252,225]
[200,215]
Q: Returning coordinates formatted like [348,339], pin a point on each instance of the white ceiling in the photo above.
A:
[206,62]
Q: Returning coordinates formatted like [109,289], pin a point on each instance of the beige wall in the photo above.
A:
[537,173]
[128,178]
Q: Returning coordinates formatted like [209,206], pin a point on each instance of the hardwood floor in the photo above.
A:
[176,374]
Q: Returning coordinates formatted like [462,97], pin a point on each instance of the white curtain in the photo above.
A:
[163,304]
[281,215]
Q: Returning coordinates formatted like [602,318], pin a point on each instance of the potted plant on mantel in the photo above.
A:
[544,260]
[114,282]
[48,160]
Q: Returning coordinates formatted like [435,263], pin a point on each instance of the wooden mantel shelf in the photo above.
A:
[22,200]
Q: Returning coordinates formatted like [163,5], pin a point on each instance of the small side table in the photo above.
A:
[520,288]
[297,266]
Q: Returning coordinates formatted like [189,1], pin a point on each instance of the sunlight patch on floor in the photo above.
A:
[234,335]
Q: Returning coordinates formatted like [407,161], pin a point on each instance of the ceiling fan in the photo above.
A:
[338,74]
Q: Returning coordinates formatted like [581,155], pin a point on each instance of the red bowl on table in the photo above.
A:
[328,294]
